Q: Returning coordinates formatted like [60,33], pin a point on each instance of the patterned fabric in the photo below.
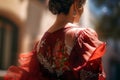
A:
[70,53]
[58,61]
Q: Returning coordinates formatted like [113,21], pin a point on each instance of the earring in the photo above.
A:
[74,13]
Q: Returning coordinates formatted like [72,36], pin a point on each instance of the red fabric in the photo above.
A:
[28,69]
[82,63]
[98,53]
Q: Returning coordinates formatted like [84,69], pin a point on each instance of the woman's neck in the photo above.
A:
[60,22]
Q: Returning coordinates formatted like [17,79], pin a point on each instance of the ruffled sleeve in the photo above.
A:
[28,68]
[87,52]
[89,42]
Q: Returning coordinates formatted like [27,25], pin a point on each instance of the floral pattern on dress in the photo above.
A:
[56,61]
[60,57]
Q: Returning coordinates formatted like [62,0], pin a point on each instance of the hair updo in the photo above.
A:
[63,6]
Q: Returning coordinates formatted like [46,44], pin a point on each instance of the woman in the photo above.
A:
[65,52]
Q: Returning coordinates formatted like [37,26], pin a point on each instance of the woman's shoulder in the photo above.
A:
[79,27]
[80,30]
[86,31]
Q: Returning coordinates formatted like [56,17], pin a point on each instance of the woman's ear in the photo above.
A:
[80,10]
[77,10]
[74,9]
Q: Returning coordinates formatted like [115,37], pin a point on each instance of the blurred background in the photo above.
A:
[23,22]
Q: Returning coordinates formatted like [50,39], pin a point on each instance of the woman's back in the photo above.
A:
[67,48]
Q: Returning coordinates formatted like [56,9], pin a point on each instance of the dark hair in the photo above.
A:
[62,6]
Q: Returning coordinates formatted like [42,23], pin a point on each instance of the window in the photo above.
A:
[8,42]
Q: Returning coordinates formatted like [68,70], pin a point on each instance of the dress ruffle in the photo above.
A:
[29,68]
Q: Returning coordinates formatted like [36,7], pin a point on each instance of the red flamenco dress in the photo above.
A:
[70,53]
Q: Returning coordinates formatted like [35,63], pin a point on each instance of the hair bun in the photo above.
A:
[62,6]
